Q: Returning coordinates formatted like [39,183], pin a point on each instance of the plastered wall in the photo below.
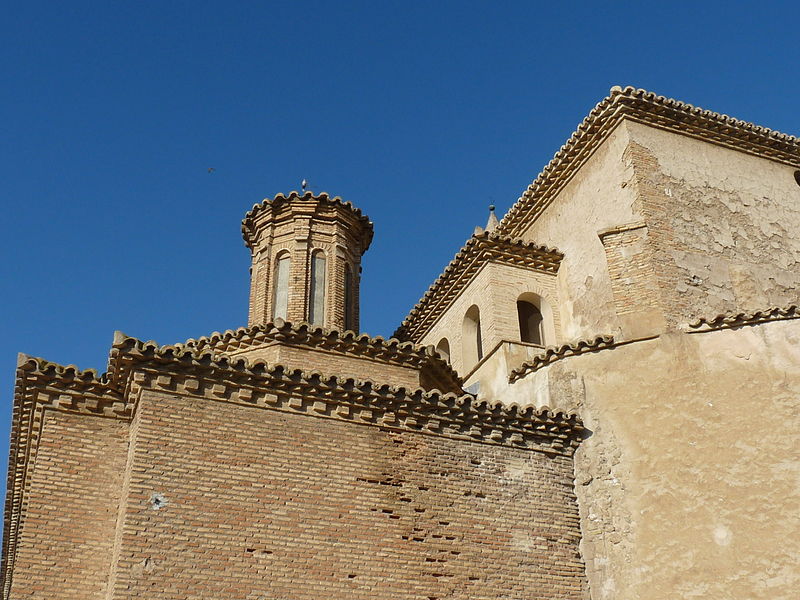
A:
[598,197]
[228,501]
[65,542]
[725,225]
[687,484]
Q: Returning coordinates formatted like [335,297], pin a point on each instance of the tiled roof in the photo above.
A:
[248,223]
[658,111]
[479,249]
[554,353]
[725,321]
[347,342]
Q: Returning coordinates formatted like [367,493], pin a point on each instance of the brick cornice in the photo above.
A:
[479,250]
[272,208]
[182,370]
[657,111]
[345,343]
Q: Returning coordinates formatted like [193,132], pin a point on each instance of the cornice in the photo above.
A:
[479,249]
[347,343]
[184,370]
[249,223]
[648,108]
[555,353]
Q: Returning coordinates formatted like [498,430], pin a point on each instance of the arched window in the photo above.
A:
[530,322]
[471,345]
[280,297]
[316,306]
[349,309]
[443,348]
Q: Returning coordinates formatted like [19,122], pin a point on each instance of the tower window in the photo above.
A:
[471,343]
[530,322]
[280,300]
[443,348]
[316,309]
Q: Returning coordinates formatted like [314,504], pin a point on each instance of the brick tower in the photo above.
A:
[306,260]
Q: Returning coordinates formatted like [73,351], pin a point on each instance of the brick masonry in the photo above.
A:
[263,504]
[65,544]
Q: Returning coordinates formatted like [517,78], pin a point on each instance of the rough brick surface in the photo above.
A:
[64,547]
[261,504]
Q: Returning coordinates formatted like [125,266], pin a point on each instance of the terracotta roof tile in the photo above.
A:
[645,107]
[479,249]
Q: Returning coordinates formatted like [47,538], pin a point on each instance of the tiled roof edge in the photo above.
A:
[127,351]
[650,108]
[408,328]
[247,221]
[728,320]
[344,342]
[554,353]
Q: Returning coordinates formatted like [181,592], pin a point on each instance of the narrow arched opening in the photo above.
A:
[443,348]
[530,322]
[536,320]
[280,293]
[316,305]
[471,343]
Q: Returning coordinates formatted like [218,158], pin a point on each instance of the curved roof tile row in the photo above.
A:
[647,107]
[554,353]
[479,249]
[249,219]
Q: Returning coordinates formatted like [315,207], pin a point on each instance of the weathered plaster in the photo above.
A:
[689,484]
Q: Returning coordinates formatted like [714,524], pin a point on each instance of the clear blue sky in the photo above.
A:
[419,113]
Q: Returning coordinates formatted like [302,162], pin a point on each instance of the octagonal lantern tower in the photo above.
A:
[306,259]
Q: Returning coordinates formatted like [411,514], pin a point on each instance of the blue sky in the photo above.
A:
[419,113]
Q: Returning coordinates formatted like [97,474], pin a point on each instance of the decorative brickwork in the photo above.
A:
[479,249]
[299,228]
[429,370]
[484,487]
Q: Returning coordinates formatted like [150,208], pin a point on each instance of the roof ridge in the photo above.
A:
[305,328]
[666,113]
[334,340]
[405,330]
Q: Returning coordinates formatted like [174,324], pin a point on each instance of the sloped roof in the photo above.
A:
[479,249]
[347,342]
[658,111]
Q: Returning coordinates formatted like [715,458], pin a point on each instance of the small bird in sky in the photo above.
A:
[211,169]
[304,184]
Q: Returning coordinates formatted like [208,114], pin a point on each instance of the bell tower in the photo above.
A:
[306,260]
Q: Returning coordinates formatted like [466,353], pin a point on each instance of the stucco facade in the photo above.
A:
[597,399]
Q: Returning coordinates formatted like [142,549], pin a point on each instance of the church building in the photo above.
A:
[597,399]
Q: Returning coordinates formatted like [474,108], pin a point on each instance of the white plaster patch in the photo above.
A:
[722,535]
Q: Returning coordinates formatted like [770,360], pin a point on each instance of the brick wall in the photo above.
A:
[64,546]
[495,290]
[333,363]
[236,502]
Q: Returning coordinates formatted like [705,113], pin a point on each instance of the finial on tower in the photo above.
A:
[492,223]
